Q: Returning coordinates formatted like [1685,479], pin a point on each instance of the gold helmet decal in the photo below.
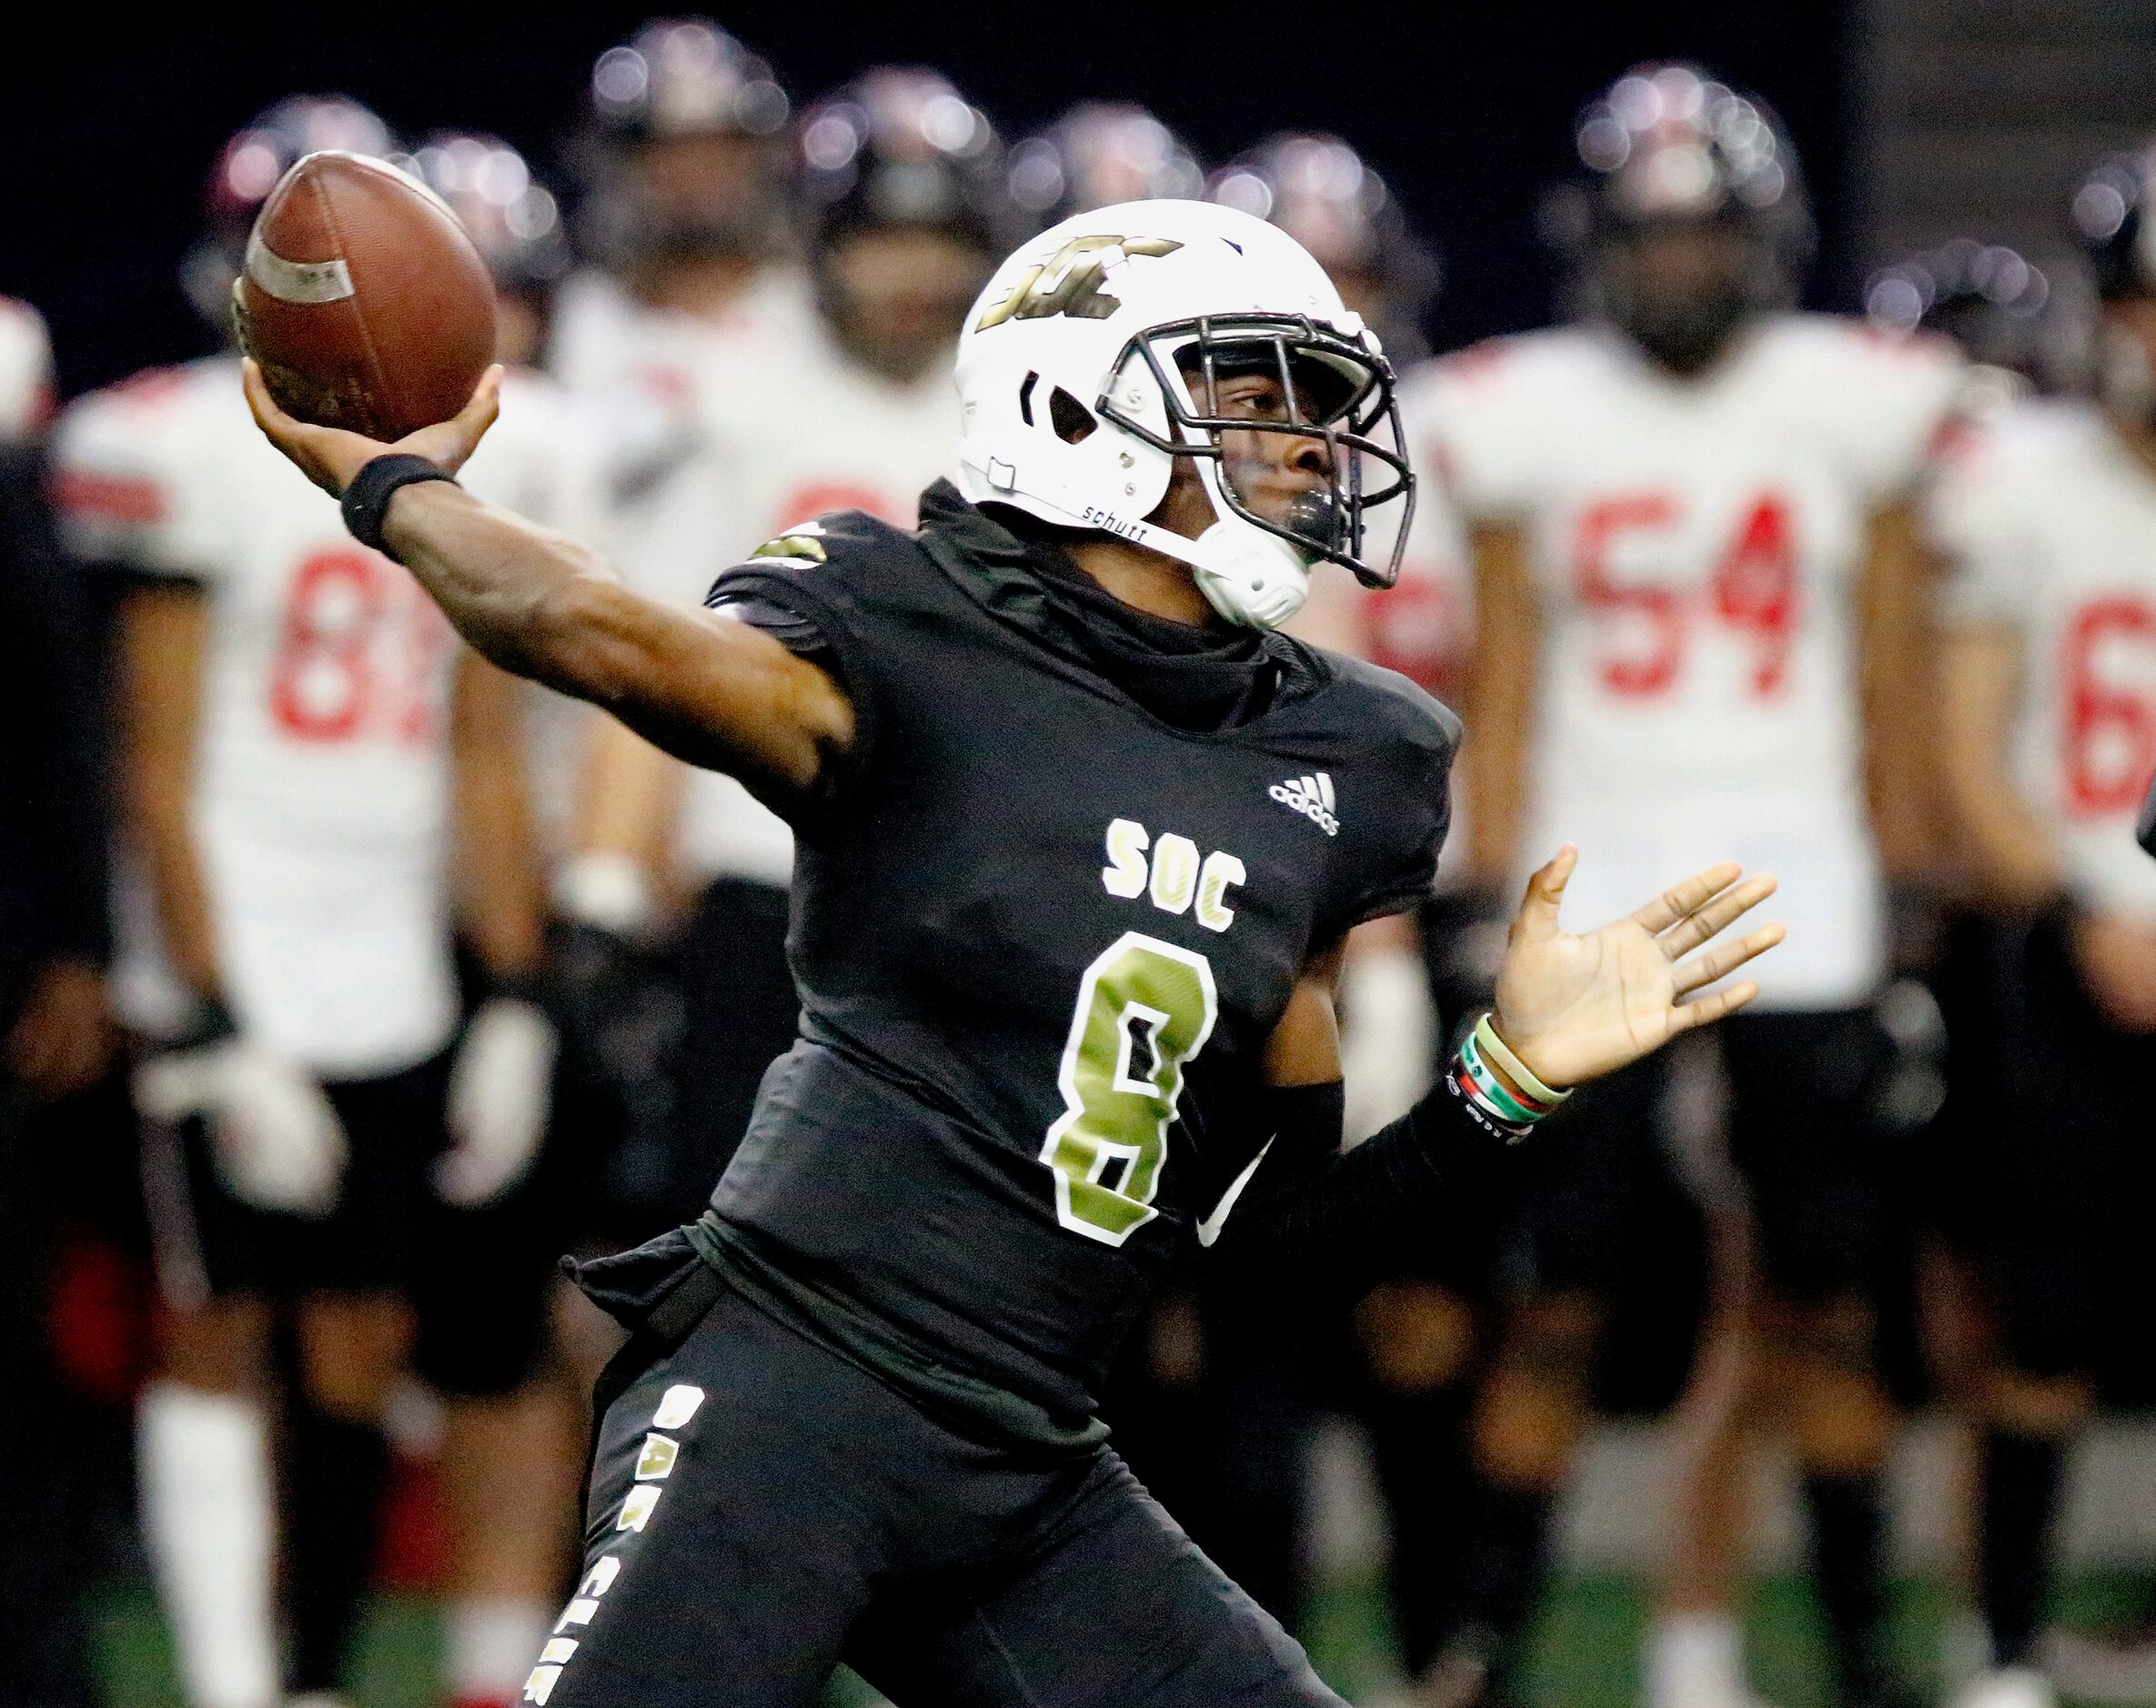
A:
[1069,282]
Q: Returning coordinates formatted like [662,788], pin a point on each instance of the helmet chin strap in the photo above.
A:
[1248,577]
[1245,574]
[1252,578]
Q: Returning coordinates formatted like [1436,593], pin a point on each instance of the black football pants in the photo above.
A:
[760,1510]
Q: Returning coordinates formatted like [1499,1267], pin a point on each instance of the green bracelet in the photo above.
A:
[1496,1050]
[1483,1085]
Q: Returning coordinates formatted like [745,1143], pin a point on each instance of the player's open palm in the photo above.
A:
[330,457]
[1573,1008]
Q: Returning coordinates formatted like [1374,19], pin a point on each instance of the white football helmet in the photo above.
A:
[1089,364]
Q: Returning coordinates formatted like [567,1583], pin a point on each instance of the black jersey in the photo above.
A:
[1042,937]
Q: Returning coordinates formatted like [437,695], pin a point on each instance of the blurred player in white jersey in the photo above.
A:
[1320,191]
[2028,332]
[1696,574]
[2047,514]
[693,290]
[905,215]
[317,781]
[513,1426]
[684,214]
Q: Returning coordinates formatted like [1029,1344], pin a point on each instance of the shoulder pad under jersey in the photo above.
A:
[1401,705]
[836,537]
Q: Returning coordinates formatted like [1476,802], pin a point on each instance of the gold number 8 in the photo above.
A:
[1104,1151]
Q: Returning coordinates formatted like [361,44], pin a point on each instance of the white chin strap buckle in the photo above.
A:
[1249,577]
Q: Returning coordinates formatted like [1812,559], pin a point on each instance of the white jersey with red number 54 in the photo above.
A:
[1423,626]
[2048,522]
[790,433]
[321,785]
[1696,545]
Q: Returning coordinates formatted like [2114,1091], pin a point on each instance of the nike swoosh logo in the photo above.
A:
[1209,1228]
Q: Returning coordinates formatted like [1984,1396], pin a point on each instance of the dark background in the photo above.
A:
[1465,108]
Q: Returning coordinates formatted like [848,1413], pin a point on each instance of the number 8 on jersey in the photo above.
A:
[1116,1113]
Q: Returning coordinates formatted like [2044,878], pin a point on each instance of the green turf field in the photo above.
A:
[1585,1654]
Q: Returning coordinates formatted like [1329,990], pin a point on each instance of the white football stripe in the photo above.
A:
[296,281]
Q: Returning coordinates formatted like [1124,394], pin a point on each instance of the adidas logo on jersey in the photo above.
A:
[1312,796]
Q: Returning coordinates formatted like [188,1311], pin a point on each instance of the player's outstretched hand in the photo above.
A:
[330,457]
[1576,1008]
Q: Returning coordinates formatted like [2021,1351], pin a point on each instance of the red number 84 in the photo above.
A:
[333,680]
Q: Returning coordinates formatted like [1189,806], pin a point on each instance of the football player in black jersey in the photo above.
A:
[1078,837]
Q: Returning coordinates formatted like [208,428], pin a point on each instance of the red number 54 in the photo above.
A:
[1753,590]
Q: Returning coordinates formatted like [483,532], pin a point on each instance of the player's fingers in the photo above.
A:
[1537,916]
[1666,908]
[1718,911]
[450,442]
[484,405]
[1713,1006]
[267,416]
[1726,958]
[296,439]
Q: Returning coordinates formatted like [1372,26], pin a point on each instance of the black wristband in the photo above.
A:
[366,499]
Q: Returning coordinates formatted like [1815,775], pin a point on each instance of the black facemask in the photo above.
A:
[1680,289]
[1683,333]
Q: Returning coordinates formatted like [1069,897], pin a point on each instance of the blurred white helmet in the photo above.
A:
[1090,364]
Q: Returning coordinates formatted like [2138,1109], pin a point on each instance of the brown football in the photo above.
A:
[362,300]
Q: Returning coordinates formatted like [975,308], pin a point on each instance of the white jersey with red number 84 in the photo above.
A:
[1696,546]
[2048,521]
[321,786]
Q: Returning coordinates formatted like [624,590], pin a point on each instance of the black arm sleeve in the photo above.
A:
[1323,1234]
[52,751]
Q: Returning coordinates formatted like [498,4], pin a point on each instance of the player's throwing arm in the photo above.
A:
[713,692]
